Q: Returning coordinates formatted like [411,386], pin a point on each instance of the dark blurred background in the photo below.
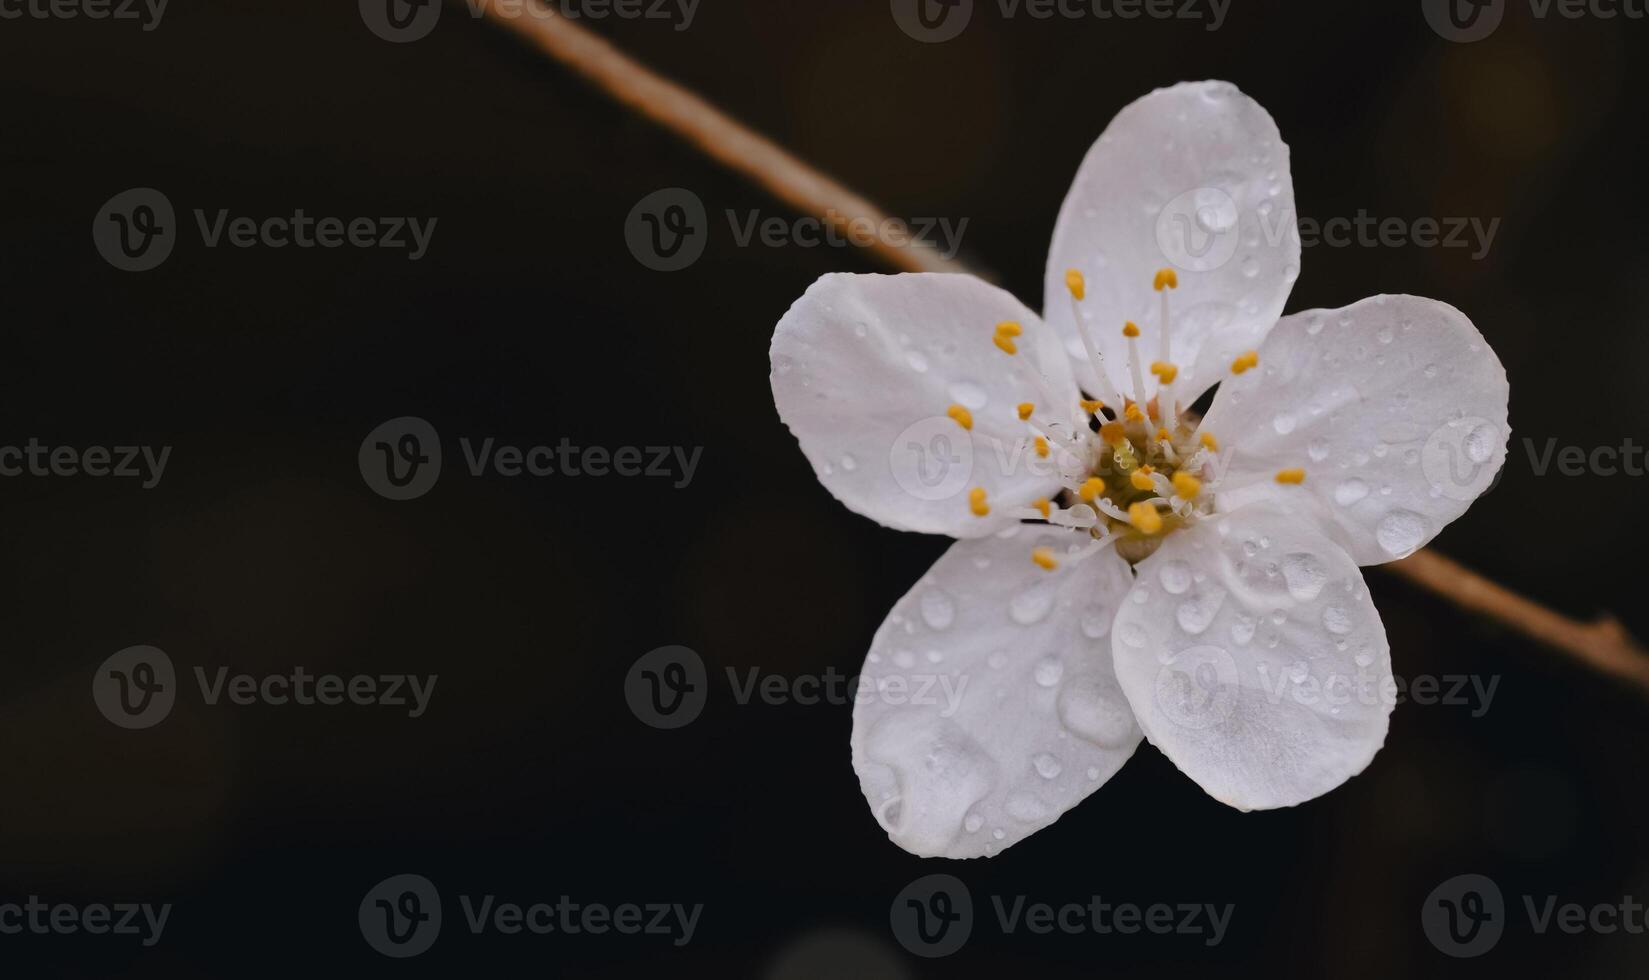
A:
[529,320]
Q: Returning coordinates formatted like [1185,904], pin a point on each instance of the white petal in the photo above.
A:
[866,367]
[1194,178]
[1395,407]
[1020,714]
[1254,659]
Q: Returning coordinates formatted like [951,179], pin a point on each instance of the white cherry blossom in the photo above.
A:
[1126,569]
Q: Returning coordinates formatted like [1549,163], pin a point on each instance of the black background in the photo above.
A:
[529,320]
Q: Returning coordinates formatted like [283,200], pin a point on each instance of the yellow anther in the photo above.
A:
[1041,504]
[1295,477]
[1145,518]
[1130,329]
[963,417]
[1045,558]
[1006,343]
[1164,435]
[1092,406]
[1186,485]
[1166,278]
[1210,443]
[1091,489]
[1141,479]
[1113,433]
[1133,414]
[1076,284]
[1008,328]
[1245,362]
[1025,410]
[1042,447]
[977,502]
[1165,372]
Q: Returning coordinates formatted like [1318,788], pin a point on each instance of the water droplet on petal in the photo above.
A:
[1029,607]
[1336,620]
[1305,576]
[1047,766]
[1401,532]
[1350,491]
[938,609]
[1175,576]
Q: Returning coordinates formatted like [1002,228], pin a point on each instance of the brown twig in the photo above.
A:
[1603,645]
[720,136]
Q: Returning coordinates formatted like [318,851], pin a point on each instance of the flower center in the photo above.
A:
[1133,470]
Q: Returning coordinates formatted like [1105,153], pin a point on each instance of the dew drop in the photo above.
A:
[1350,491]
[1400,532]
[1029,607]
[1047,766]
[1175,576]
[1283,423]
[1048,671]
[1096,622]
[1336,620]
[917,360]
[938,609]
[1196,614]
[973,823]
[1305,576]
[969,395]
